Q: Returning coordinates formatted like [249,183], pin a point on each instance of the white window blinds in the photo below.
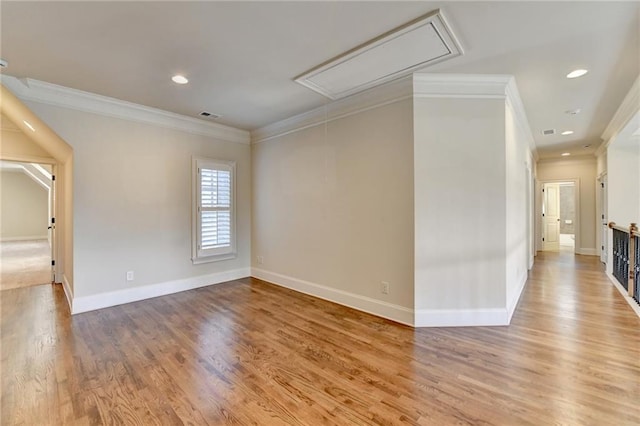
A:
[215,208]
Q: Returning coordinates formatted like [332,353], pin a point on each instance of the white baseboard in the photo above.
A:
[31,238]
[624,293]
[366,304]
[67,291]
[471,317]
[128,295]
[511,307]
[588,251]
[461,317]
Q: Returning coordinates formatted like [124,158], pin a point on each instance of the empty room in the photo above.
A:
[319,213]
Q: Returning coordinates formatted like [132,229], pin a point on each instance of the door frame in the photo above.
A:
[56,251]
[540,221]
[602,216]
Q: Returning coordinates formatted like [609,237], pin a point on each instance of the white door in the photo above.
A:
[52,224]
[604,230]
[551,216]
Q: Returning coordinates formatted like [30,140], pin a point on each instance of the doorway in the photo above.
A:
[559,216]
[27,237]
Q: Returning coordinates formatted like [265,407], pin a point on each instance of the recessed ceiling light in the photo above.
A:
[567,132]
[26,123]
[577,73]
[573,111]
[3,63]
[566,154]
[180,79]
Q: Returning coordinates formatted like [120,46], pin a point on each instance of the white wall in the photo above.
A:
[333,209]
[132,201]
[23,207]
[623,165]
[460,203]
[584,170]
[519,210]
[472,196]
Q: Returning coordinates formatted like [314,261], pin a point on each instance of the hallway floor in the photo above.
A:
[24,263]
[248,352]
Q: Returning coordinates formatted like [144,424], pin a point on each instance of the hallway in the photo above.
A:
[249,352]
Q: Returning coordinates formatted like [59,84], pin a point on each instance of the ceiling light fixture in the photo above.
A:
[26,123]
[180,79]
[567,132]
[573,111]
[577,73]
[3,63]
[566,154]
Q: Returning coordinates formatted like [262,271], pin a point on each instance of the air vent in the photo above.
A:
[210,115]
[549,132]
[417,44]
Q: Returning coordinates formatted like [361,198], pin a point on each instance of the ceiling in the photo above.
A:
[242,57]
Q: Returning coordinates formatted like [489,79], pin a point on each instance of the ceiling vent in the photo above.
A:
[210,115]
[424,41]
[549,132]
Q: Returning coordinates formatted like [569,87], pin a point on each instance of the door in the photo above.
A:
[52,224]
[551,216]
[604,230]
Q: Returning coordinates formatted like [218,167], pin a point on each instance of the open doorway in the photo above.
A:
[559,215]
[26,234]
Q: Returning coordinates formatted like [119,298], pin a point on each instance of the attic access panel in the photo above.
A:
[424,41]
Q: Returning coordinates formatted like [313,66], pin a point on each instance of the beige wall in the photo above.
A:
[333,209]
[584,170]
[23,207]
[15,145]
[519,206]
[460,203]
[131,195]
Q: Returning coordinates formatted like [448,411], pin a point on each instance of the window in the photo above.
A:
[213,210]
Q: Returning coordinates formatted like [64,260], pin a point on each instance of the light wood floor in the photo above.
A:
[24,263]
[248,352]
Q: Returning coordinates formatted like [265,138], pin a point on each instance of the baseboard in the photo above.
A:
[134,294]
[511,307]
[587,251]
[67,291]
[31,238]
[624,293]
[461,317]
[366,304]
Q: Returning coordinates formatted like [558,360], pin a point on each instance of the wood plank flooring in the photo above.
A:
[251,353]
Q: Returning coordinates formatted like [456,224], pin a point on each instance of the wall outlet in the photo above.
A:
[384,287]
[130,276]
[260,260]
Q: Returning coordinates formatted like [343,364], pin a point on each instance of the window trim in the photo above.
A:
[196,164]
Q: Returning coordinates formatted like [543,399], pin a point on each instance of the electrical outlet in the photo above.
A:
[130,276]
[260,260]
[384,288]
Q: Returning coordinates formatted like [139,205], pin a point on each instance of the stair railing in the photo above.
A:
[626,258]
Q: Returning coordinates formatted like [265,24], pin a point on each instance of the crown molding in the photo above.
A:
[373,98]
[476,86]
[625,112]
[574,159]
[465,86]
[52,94]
